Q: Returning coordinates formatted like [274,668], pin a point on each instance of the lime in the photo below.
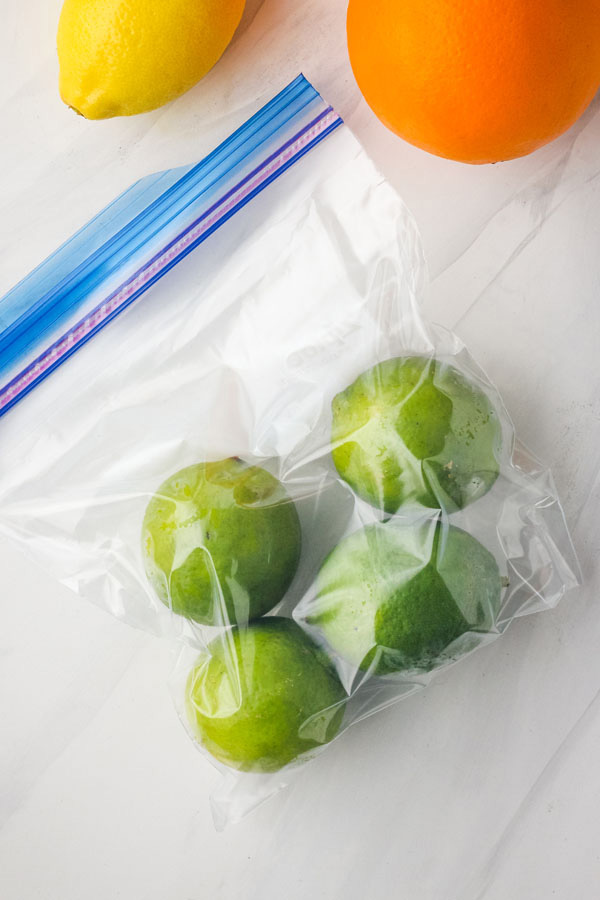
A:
[414,429]
[262,695]
[397,596]
[221,542]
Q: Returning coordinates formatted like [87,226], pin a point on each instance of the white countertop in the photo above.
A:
[483,787]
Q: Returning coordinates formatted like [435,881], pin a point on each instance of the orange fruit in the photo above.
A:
[476,80]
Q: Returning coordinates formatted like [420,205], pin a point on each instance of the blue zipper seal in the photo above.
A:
[152,207]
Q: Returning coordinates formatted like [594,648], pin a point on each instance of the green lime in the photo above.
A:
[221,542]
[262,695]
[397,596]
[414,429]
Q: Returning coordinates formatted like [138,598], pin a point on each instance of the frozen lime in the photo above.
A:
[221,542]
[397,596]
[262,695]
[414,429]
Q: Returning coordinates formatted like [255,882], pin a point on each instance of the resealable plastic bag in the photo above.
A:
[385,520]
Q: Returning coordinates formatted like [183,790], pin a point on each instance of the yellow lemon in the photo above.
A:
[122,57]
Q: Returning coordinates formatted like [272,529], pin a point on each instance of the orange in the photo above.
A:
[476,80]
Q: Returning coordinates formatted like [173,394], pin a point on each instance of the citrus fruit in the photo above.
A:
[221,542]
[397,596]
[122,57]
[260,696]
[476,80]
[415,430]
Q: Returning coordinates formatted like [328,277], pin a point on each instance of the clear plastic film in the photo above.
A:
[272,456]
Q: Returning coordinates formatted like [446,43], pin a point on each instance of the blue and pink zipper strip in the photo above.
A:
[124,250]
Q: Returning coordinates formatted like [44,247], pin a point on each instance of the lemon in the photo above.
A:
[123,57]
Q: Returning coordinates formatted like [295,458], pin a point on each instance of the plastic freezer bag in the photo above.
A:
[271,455]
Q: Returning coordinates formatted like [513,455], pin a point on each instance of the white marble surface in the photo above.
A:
[485,786]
